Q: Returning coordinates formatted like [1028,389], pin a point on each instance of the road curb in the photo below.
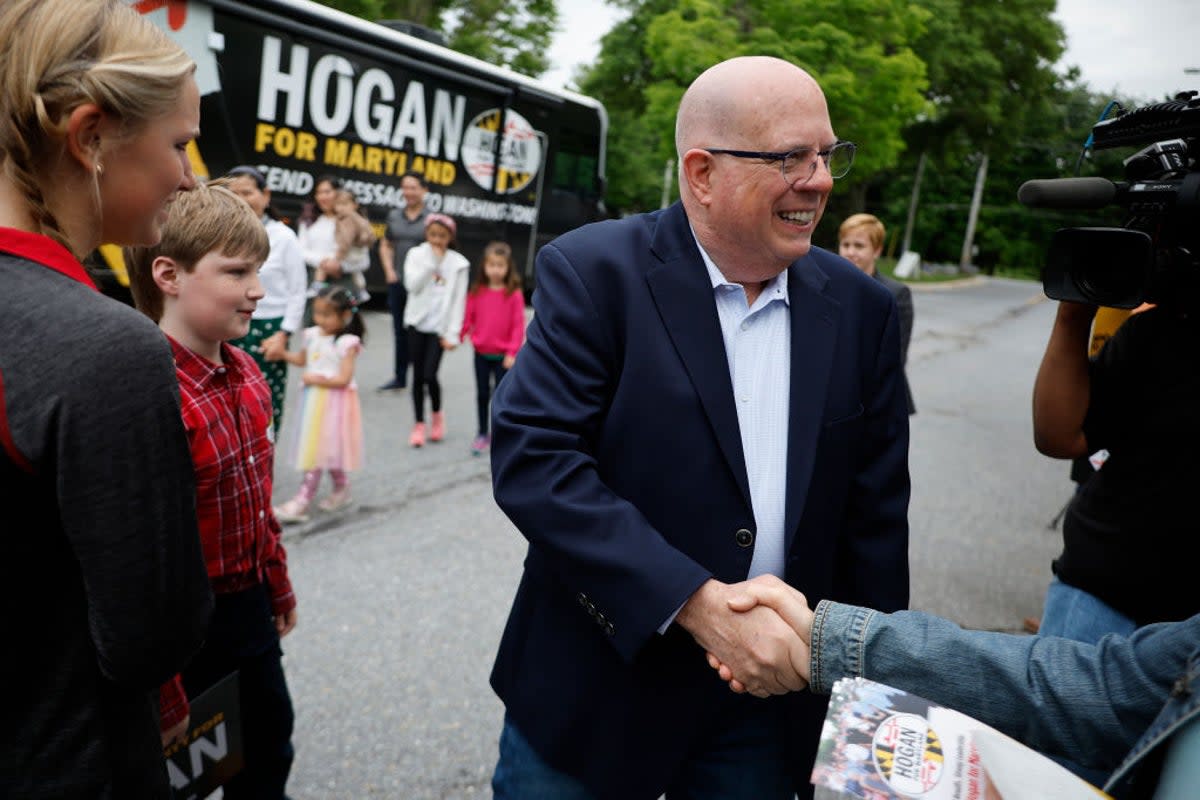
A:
[945,286]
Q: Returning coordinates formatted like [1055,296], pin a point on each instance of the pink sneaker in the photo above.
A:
[417,437]
[336,500]
[437,430]
[480,445]
[294,510]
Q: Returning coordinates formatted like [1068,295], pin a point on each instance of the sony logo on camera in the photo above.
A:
[1155,257]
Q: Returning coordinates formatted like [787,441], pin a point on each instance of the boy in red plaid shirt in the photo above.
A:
[200,284]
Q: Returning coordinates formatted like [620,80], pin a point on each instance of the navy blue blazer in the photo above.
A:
[616,453]
[904,304]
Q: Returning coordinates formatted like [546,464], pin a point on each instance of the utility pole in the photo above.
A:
[912,206]
[964,260]
[668,182]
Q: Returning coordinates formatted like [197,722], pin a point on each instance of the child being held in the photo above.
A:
[354,236]
[200,284]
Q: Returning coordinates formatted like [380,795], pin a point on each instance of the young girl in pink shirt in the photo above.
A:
[495,322]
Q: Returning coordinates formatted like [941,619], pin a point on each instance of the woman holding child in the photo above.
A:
[331,259]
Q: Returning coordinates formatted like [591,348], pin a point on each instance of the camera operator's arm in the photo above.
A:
[1060,393]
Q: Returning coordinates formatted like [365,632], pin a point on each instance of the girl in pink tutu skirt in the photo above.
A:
[329,436]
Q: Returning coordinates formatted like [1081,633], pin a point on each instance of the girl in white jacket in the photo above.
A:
[436,277]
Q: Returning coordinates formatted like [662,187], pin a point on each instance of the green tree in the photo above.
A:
[509,33]
[990,69]
[1011,238]
[859,50]
[514,33]
[989,65]
[422,12]
[619,77]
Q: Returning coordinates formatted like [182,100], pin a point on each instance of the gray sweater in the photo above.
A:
[102,583]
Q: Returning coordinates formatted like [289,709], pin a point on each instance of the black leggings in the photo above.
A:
[425,355]
[488,372]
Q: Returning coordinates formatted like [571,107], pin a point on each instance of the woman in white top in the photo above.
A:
[319,244]
[280,312]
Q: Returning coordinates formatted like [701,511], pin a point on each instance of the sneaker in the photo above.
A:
[294,510]
[363,296]
[315,288]
[394,385]
[480,445]
[417,437]
[337,499]
[437,431]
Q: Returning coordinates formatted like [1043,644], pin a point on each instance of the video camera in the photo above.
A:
[1156,256]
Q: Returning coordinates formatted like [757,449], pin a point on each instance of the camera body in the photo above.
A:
[1155,257]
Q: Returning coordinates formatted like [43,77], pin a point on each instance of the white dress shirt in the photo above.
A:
[758,346]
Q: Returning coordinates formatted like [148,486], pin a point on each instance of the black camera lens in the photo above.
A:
[1103,282]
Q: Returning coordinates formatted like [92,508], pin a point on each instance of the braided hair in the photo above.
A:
[56,55]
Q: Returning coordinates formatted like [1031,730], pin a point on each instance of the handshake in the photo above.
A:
[756,634]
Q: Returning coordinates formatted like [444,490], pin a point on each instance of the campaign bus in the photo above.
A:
[301,90]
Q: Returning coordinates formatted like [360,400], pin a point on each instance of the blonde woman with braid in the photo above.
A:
[104,589]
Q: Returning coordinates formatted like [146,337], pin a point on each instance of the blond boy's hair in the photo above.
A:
[208,219]
[867,222]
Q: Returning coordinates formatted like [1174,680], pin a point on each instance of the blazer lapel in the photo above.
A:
[814,339]
[683,294]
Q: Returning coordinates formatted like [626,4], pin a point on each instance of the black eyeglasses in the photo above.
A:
[801,164]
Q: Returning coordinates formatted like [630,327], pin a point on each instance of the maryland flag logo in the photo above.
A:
[908,754]
[520,151]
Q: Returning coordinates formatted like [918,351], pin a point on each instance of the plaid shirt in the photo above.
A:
[229,421]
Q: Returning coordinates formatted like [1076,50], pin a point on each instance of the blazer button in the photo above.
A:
[609,629]
[582,598]
[743,537]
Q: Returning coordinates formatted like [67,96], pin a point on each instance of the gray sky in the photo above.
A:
[1139,48]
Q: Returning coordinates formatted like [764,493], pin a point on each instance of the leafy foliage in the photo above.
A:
[512,33]
[859,50]
[509,33]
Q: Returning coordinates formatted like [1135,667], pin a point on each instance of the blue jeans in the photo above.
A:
[1075,614]
[746,761]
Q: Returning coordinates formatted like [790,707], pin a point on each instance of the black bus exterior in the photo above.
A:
[300,90]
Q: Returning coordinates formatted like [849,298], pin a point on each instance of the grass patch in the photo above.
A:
[888,267]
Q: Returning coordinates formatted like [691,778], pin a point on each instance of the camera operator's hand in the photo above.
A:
[1060,393]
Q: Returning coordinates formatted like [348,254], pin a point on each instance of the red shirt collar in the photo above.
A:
[200,370]
[45,251]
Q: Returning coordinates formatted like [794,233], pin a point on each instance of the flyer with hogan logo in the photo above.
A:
[879,743]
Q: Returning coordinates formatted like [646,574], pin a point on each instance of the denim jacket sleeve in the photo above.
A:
[1137,775]
[1088,703]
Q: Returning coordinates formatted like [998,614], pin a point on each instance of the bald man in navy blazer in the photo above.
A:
[704,397]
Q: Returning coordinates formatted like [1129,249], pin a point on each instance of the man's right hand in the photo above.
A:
[789,604]
[757,645]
